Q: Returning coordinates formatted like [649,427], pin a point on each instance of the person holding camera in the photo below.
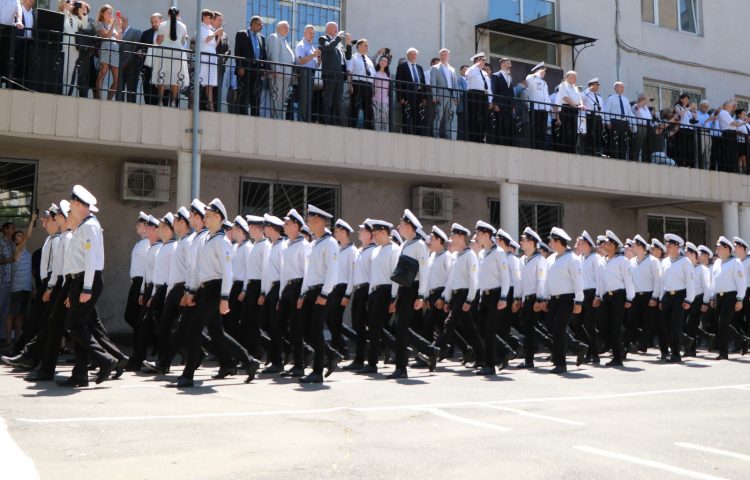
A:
[685,139]
[109,28]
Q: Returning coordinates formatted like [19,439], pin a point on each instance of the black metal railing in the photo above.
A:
[76,65]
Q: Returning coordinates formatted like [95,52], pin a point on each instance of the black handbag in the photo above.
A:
[406,271]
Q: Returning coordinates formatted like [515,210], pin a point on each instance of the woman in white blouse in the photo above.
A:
[70,52]
[209,64]
[170,63]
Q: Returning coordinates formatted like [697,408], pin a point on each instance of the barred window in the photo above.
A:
[540,216]
[689,228]
[17,190]
[277,198]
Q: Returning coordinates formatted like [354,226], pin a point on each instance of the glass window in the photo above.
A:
[690,229]
[298,13]
[688,18]
[540,13]
[679,15]
[522,48]
[541,217]
[258,197]
[647,11]
[742,102]
[668,14]
[17,190]
[506,9]
[665,95]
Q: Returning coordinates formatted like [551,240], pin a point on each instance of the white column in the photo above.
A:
[184,168]
[509,207]
[730,219]
[745,221]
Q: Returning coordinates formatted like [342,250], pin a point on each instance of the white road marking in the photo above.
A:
[649,463]
[16,464]
[716,451]
[443,414]
[386,408]
[535,415]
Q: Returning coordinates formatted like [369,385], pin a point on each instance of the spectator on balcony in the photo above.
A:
[445,96]
[381,100]
[705,139]
[594,129]
[222,49]
[410,91]
[169,66]
[335,48]
[11,21]
[209,63]
[148,37]
[521,126]
[502,103]
[477,99]
[308,61]
[728,155]
[663,131]
[109,28]
[617,110]
[71,26]
[743,139]
[250,47]
[539,104]
[571,103]
[641,129]
[685,139]
[463,86]
[129,61]
[86,41]
[24,42]
[282,56]
[361,71]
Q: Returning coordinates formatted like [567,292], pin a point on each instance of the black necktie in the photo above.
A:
[367,69]
[484,80]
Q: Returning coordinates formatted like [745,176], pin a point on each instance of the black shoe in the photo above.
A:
[354,366]
[120,368]
[419,363]
[614,363]
[274,368]
[721,357]
[251,369]
[745,345]
[390,360]
[224,373]
[433,360]
[367,369]
[505,361]
[37,376]
[183,382]
[595,360]
[312,378]
[19,361]
[674,359]
[398,374]
[293,372]
[581,357]
[469,356]
[155,367]
[105,371]
[73,382]
[558,370]
[486,371]
[525,365]
[333,363]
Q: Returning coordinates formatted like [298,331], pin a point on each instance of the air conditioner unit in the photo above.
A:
[145,183]
[431,203]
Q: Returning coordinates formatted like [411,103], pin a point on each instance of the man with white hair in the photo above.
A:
[308,60]
[410,88]
[333,61]
[569,98]
[281,54]
[445,96]
[618,108]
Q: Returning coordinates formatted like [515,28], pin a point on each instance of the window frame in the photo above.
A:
[34,188]
[697,4]
[686,219]
[295,25]
[525,203]
[660,85]
[306,185]
[522,19]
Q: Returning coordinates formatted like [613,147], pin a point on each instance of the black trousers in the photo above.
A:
[538,128]
[560,311]
[489,317]
[435,317]
[129,81]
[619,142]
[250,86]
[477,111]
[638,317]
[674,317]
[311,321]
[207,315]
[725,309]
[51,335]
[529,321]
[458,318]
[578,323]
[76,324]
[569,128]
[148,326]
[132,308]
[405,335]
[27,343]
[504,125]
[170,314]
[150,91]
[594,134]
[685,147]
[251,318]
[335,318]
[286,324]
[378,302]
[359,321]
[232,319]
[613,311]
[333,97]
[361,99]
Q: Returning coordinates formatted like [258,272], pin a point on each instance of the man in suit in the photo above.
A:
[150,93]
[250,45]
[129,61]
[502,103]
[280,53]
[333,60]
[410,91]
[222,48]
[445,97]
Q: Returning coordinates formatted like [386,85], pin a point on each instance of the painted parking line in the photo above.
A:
[715,451]
[467,421]
[524,413]
[16,464]
[648,463]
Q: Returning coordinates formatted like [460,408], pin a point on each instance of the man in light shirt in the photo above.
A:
[618,109]
[569,98]
[640,148]
[281,53]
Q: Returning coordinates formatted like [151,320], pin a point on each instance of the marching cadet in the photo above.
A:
[212,276]
[708,319]
[702,279]
[659,325]
[317,285]
[507,316]
[240,235]
[358,290]
[493,281]
[381,301]
[614,294]
[175,289]
[338,300]
[159,277]
[137,270]
[251,311]
[742,319]
[584,324]
[564,294]
[294,252]
[647,284]
[460,290]
[530,296]
[728,283]
[411,294]
[679,293]
[273,228]
[440,263]
[396,238]
[83,270]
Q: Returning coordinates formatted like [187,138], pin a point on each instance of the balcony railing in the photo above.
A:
[63,64]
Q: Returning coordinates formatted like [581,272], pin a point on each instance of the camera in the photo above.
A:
[77,4]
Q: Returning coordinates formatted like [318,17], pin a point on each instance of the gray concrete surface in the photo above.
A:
[647,420]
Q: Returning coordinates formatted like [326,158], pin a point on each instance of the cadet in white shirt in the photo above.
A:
[564,291]
[702,279]
[614,294]
[679,292]
[742,319]
[358,290]
[270,291]
[509,318]
[214,282]
[147,287]
[460,290]
[239,234]
[251,311]
[539,104]
[529,297]
[337,301]
[584,324]
[728,281]
[137,270]
[647,284]
[440,263]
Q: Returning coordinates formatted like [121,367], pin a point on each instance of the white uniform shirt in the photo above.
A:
[567,90]
[256,258]
[163,262]
[647,275]
[464,274]
[728,276]
[702,278]
[239,261]
[356,66]
[148,274]
[533,277]
[514,270]
[294,253]
[362,268]
[746,264]
[86,251]
[322,265]
[215,261]
[565,276]
[440,264]
[538,92]
[493,271]
[612,106]
[384,261]
[618,275]
[591,270]
[138,258]
[417,250]
[592,101]
[477,79]
[272,266]
[45,263]
[678,275]
[178,264]
[58,258]
[196,241]
[345,264]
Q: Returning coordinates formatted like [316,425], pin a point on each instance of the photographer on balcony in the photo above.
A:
[109,27]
